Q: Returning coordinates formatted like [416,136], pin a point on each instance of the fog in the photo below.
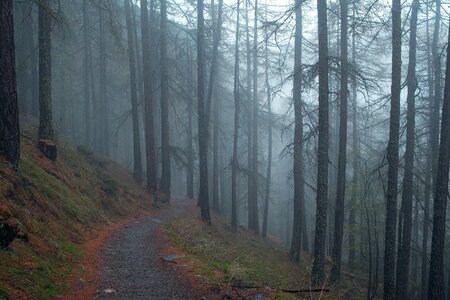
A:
[157,90]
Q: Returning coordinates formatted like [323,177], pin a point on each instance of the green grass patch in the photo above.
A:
[246,260]
[3,292]
[238,260]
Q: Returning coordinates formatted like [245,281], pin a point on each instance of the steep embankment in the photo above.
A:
[246,265]
[58,206]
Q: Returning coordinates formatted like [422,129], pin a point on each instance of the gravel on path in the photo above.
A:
[132,265]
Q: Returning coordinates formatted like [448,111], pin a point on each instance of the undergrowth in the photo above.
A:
[56,204]
[244,260]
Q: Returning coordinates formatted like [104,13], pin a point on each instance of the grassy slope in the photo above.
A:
[245,260]
[57,204]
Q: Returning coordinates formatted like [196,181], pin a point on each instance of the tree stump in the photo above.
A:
[48,148]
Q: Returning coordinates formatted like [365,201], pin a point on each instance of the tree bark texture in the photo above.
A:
[392,157]
[436,285]
[9,109]
[45,72]
[137,163]
[318,272]
[299,190]
[405,216]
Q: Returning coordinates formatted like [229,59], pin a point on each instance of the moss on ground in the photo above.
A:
[244,260]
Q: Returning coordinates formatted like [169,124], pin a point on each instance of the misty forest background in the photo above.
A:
[321,125]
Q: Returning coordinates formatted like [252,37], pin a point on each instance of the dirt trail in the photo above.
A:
[132,266]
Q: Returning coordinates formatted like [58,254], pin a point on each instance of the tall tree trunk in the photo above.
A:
[137,164]
[140,80]
[34,74]
[392,156]
[428,167]
[436,286]
[269,151]
[415,241]
[436,55]
[405,216]
[249,121]
[342,156]
[434,128]
[45,72]
[299,185]
[215,171]
[9,109]
[190,138]
[305,239]
[203,128]
[355,159]
[29,49]
[222,180]
[148,99]
[234,162]
[103,105]
[33,81]
[20,42]
[318,274]
[212,76]
[165,147]
[448,281]
[86,78]
[255,108]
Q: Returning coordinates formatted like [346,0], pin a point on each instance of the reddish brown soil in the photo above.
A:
[85,286]
[188,284]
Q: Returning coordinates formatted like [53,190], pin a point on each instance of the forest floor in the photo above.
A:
[135,260]
[66,209]
[248,265]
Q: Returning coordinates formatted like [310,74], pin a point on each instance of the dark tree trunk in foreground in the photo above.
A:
[392,156]
[405,216]
[165,147]
[9,110]
[299,185]
[237,108]
[148,99]
[217,25]
[436,286]
[355,161]
[203,128]
[137,167]
[318,272]
[45,72]
[342,156]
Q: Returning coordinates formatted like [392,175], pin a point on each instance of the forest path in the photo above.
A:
[132,265]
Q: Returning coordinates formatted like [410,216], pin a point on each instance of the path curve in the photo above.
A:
[132,265]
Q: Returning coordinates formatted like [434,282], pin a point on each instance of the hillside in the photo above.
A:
[246,265]
[58,206]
